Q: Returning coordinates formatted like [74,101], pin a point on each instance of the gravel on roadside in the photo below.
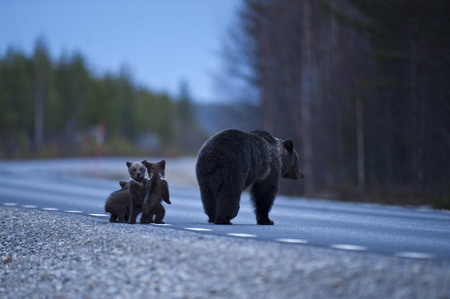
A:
[52,254]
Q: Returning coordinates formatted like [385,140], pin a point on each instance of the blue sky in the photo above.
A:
[161,42]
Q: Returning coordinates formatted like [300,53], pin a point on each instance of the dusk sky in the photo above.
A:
[160,42]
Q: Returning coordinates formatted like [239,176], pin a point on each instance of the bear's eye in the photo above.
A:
[142,169]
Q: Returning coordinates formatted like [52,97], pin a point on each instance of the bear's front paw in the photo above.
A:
[265,221]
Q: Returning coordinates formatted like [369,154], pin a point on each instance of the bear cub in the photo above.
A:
[156,190]
[118,204]
[136,188]
[231,161]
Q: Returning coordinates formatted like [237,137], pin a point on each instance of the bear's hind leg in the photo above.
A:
[146,218]
[134,211]
[122,216]
[159,213]
[209,202]
[262,196]
[127,212]
[227,206]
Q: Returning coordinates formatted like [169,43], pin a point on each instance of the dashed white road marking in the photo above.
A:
[98,215]
[414,255]
[198,229]
[50,209]
[241,235]
[292,241]
[348,247]
[29,206]
[403,254]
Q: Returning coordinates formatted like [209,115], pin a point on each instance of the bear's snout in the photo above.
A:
[300,175]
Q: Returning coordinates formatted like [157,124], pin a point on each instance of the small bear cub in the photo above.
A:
[118,204]
[136,188]
[156,190]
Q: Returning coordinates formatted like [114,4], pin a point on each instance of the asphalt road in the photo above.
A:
[61,186]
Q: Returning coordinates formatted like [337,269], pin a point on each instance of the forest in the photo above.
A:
[59,107]
[362,86]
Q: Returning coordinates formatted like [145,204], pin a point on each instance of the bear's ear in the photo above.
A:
[163,164]
[122,183]
[144,161]
[288,145]
[129,163]
[147,164]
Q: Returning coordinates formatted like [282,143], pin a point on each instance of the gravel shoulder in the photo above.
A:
[51,254]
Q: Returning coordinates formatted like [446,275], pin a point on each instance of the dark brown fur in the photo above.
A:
[231,161]
[136,189]
[156,190]
[118,204]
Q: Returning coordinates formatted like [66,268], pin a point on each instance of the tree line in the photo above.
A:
[362,88]
[59,107]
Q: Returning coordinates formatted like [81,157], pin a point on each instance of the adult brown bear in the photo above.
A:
[231,161]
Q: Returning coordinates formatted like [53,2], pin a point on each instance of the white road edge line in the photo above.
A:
[161,224]
[414,255]
[241,235]
[292,241]
[348,247]
[73,211]
[29,206]
[50,209]
[10,204]
[98,215]
[198,229]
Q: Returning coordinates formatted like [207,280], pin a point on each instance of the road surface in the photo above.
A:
[62,187]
